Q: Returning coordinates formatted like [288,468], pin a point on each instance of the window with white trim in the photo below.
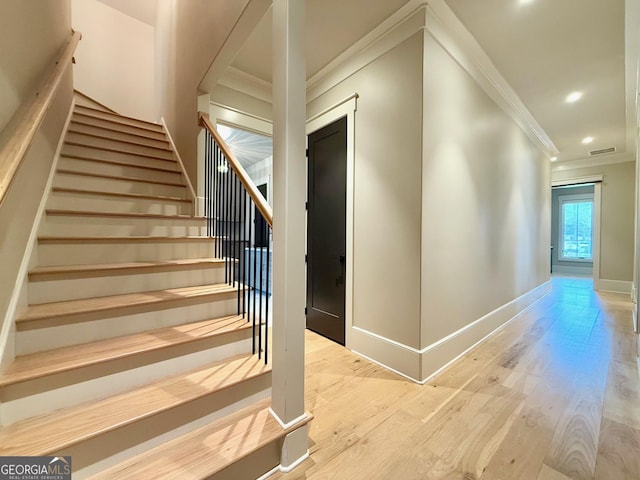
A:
[576,228]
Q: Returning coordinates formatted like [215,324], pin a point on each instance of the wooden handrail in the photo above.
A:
[12,153]
[255,194]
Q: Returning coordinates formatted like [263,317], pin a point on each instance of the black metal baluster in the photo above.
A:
[236,245]
[267,297]
[260,291]
[251,253]
[215,203]
[234,236]
[255,261]
[217,209]
[227,201]
[214,188]
[232,225]
[207,152]
[241,233]
[245,275]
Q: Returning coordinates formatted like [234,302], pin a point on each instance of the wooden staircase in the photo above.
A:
[131,356]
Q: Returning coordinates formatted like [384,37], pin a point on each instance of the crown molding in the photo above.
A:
[404,23]
[436,19]
[246,83]
[592,162]
[452,35]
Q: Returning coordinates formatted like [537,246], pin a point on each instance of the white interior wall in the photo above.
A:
[387,192]
[436,252]
[34,34]
[115,61]
[486,212]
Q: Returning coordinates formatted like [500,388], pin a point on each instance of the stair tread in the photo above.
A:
[50,433]
[118,177]
[120,164]
[156,216]
[119,150]
[166,148]
[121,194]
[42,364]
[94,112]
[84,271]
[207,450]
[149,135]
[100,304]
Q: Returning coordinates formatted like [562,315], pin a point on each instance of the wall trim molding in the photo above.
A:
[578,180]
[397,28]
[616,286]
[592,162]
[420,365]
[244,82]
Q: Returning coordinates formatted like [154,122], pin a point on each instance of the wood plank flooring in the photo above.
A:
[554,395]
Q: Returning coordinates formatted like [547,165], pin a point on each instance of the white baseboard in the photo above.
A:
[392,355]
[421,365]
[616,286]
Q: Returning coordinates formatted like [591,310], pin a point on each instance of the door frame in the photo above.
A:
[596,180]
[345,108]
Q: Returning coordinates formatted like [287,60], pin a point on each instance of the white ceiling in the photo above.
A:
[332,27]
[545,49]
[143,10]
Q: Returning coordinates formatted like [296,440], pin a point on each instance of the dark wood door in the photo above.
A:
[326,231]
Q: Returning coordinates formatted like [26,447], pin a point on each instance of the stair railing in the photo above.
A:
[12,153]
[237,216]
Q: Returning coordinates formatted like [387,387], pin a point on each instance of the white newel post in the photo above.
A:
[289,275]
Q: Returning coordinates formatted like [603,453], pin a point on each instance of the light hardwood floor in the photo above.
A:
[553,395]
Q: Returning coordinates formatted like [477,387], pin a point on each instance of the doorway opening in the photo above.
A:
[575,228]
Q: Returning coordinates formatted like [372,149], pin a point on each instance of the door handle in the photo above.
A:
[340,279]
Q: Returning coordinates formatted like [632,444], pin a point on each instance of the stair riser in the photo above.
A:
[92,253]
[66,180]
[49,334]
[71,150]
[100,168]
[106,203]
[108,450]
[87,140]
[150,141]
[62,225]
[100,123]
[118,119]
[50,393]
[116,284]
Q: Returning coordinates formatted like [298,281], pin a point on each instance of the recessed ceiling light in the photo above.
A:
[524,2]
[573,97]
[553,159]
[587,140]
